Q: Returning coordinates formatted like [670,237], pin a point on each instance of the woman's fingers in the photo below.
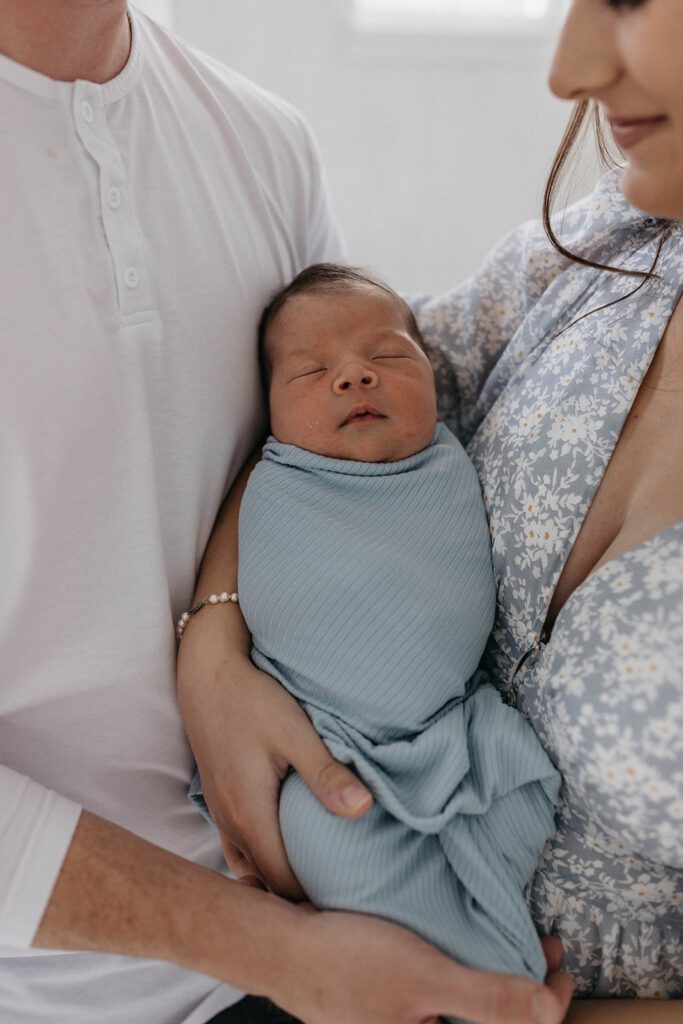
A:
[246,733]
[261,842]
[252,842]
[562,987]
[257,813]
[335,785]
[559,983]
[242,759]
[553,951]
[254,824]
[244,871]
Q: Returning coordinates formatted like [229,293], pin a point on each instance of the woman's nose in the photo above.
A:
[354,375]
[586,58]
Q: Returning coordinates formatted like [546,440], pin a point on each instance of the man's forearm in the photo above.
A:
[117,893]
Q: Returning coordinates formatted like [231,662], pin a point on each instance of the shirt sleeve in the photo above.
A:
[36,828]
[467,329]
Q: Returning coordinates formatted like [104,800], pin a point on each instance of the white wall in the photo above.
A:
[433,148]
[160,10]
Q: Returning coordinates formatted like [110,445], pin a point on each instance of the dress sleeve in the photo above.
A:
[36,828]
[467,329]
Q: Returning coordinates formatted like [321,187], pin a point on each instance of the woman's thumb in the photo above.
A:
[335,785]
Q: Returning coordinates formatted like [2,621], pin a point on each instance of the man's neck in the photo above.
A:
[66,39]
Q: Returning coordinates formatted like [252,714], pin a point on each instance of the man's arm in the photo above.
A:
[119,894]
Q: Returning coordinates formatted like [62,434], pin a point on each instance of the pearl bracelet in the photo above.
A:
[223,598]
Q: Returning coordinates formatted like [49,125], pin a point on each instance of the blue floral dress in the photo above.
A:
[536,374]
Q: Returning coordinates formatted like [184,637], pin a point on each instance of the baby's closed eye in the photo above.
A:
[309,371]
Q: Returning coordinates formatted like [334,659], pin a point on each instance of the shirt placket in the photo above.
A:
[121,229]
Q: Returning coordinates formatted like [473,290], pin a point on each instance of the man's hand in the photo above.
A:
[373,972]
[118,894]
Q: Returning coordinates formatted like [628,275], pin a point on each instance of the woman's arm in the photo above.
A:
[468,329]
[244,728]
[625,1011]
[117,893]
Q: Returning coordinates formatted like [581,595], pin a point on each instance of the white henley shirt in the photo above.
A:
[144,223]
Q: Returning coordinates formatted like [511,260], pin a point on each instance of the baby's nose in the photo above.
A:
[354,376]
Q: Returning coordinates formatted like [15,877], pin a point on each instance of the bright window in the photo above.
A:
[452,15]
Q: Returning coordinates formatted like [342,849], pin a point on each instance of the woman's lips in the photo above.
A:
[628,133]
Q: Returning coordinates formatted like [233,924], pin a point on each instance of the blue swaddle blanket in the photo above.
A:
[369,593]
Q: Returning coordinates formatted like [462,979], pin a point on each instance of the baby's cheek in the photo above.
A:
[305,425]
[287,418]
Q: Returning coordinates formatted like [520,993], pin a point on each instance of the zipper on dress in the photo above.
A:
[540,639]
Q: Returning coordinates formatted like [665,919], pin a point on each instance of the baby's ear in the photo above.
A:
[439,418]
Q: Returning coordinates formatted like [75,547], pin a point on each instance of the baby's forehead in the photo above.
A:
[360,295]
[355,303]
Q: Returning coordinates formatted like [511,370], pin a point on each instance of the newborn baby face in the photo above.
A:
[347,379]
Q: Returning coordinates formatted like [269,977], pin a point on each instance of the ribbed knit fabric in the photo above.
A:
[369,592]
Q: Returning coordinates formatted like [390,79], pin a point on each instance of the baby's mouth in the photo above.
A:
[363,414]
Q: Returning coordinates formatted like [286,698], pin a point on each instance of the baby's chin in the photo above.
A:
[365,448]
[385,454]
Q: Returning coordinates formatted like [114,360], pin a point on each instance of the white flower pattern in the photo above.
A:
[537,371]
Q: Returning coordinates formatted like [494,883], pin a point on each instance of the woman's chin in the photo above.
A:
[658,195]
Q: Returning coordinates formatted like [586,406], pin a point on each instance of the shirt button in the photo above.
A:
[114,198]
[131,277]
[87,112]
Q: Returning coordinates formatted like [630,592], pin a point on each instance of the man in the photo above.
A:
[152,201]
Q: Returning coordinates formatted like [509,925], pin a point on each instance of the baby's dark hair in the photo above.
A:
[326,277]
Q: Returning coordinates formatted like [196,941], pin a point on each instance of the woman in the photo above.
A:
[565,377]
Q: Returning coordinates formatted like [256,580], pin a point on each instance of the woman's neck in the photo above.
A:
[67,39]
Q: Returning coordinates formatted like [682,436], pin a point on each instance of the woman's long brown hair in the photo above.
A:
[585,113]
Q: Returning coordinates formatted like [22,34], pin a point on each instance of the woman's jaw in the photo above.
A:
[653,174]
[626,57]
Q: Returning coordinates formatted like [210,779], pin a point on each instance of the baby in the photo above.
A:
[365,578]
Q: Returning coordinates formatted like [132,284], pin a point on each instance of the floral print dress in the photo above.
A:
[537,367]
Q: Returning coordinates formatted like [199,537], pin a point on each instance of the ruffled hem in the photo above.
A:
[607,957]
[619,916]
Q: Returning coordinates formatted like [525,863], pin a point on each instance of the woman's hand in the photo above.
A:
[375,972]
[246,732]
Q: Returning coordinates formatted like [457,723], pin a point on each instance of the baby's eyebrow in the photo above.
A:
[297,353]
[395,332]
